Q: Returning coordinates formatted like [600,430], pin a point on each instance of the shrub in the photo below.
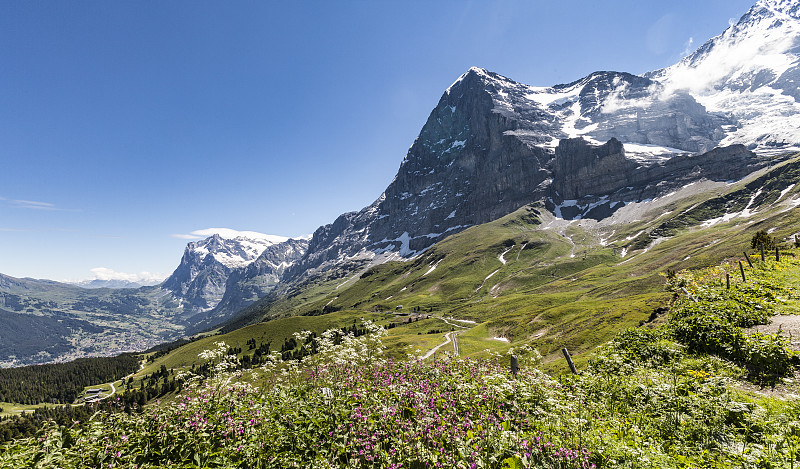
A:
[646,346]
[708,333]
[762,238]
[767,357]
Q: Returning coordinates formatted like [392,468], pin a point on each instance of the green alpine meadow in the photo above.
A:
[685,349]
[693,388]
[272,235]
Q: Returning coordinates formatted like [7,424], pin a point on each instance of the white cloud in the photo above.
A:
[736,54]
[185,236]
[229,233]
[34,205]
[687,47]
[104,273]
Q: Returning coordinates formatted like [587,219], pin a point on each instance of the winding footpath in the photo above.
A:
[451,336]
[113,391]
[447,339]
[503,261]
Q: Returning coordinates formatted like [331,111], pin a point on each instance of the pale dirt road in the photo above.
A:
[788,325]
[449,337]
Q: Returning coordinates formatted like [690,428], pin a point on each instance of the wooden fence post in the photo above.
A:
[777,255]
[746,256]
[761,246]
[514,365]
[728,281]
[569,360]
[741,268]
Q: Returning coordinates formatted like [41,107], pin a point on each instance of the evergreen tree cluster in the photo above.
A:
[28,423]
[152,386]
[62,382]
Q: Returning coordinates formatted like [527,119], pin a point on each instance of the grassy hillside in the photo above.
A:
[552,283]
[531,279]
[655,396]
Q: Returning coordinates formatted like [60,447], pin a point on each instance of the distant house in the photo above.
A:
[398,307]
[94,391]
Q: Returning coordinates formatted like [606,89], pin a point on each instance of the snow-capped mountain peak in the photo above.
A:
[785,7]
[751,72]
[232,252]
[757,50]
[202,277]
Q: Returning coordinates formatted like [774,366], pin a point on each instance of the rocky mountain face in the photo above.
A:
[248,284]
[586,148]
[751,73]
[241,267]
[593,181]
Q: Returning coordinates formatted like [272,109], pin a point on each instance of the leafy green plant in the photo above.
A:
[652,397]
[648,346]
[768,357]
[762,239]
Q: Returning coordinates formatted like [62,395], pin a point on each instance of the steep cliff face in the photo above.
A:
[238,268]
[492,145]
[581,169]
[252,282]
[593,181]
[466,167]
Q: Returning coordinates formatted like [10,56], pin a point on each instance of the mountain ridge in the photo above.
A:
[216,277]
[583,150]
[528,140]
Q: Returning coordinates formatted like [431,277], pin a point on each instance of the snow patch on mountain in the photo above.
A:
[649,154]
[752,72]
[234,250]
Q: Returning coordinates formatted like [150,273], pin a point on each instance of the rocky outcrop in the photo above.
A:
[238,270]
[581,169]
[592,181]
[492,145]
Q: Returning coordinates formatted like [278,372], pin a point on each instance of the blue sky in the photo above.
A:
[125,126]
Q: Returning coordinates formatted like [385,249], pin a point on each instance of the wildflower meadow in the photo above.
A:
[653,397]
